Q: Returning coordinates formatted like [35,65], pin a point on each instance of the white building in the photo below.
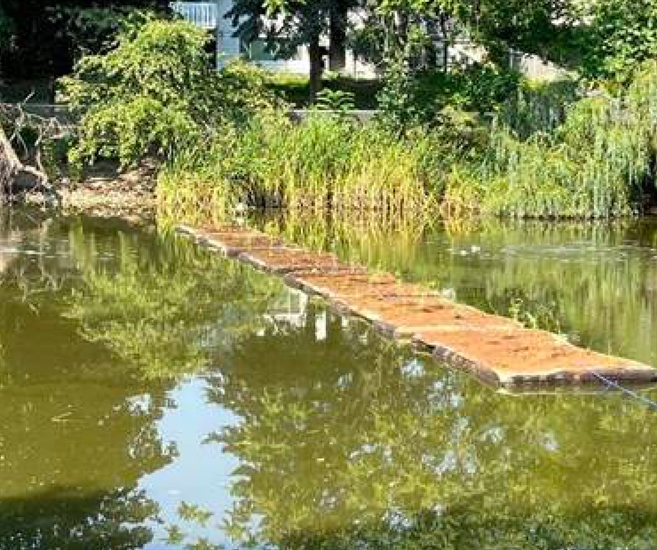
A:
[212,16]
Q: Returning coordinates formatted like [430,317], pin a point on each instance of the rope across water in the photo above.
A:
[630,393]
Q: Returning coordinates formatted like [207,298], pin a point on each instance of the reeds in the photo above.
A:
[324,163]
[544,156]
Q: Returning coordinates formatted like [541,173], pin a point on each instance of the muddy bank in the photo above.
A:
[103,191]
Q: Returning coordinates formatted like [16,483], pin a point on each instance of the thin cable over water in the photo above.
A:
[631,393]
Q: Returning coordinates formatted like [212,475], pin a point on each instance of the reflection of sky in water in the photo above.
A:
[201,473]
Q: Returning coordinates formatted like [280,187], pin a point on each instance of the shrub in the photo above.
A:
[409,100]
[599,163]
[295,89]
[156,92]
[620,35]
[538,106]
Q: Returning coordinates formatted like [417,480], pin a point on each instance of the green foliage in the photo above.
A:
[397,105]
[335,100]
[409,100]
[243,91]
[477,88]
[598,163]
[321,163]
[481,88]
[545,27]
[538,107]
[156,92]
[295,89]
[54,156]
[619,36]
[145,96]
[287,26]
[529,162]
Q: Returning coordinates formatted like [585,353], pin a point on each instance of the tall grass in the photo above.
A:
[597,164]
[326,162]
[546,155]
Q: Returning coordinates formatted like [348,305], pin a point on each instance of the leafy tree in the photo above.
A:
[541,27]
[290,25]
[143,97]
[621,34]
[544,27]
[154,93]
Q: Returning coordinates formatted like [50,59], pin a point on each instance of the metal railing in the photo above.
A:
[202,14]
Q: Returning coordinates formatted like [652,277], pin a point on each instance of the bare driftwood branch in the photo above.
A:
[14,175]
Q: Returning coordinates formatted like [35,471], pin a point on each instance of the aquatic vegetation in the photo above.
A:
[546,155]
[326,162]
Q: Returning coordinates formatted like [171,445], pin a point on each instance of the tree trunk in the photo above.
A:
[13,175]
[316,67]
[430,51]
[338,38]
[9,166]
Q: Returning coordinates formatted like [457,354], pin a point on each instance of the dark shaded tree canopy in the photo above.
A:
[44,37]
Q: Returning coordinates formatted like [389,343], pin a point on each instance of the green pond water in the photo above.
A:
[155,396]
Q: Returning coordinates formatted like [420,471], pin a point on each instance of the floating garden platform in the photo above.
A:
[496,349]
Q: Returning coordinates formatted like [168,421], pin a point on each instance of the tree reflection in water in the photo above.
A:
[343,439]
[75,432]
[347,441]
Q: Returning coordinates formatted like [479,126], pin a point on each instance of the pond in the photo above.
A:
[155,396]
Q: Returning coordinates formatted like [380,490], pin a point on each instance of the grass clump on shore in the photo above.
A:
[325,162]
